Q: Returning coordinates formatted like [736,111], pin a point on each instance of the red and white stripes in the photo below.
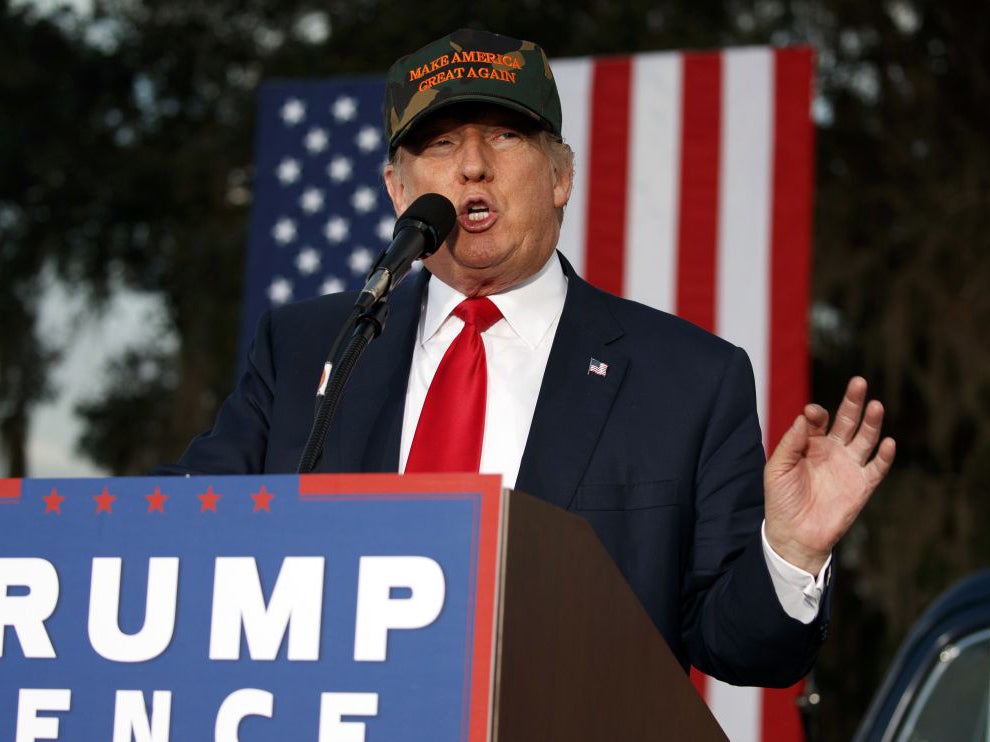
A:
[692,194]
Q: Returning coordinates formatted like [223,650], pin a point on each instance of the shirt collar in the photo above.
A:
[529,308]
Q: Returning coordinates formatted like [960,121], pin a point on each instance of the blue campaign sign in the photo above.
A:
[325,608]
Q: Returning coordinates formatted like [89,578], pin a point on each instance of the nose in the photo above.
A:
[475,158]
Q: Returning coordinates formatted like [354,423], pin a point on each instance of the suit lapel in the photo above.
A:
[573,404]
[367,429]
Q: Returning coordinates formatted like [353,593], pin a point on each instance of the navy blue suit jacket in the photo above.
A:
[662,456]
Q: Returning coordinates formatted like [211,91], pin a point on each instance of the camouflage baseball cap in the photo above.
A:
[469,66]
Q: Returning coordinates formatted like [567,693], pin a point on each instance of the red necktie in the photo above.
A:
[452,424]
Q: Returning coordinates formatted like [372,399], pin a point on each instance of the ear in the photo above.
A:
[562,188]
[395,188]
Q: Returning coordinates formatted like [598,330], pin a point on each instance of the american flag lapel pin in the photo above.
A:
[597,367]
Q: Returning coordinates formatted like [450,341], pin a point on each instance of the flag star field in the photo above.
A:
[320,214]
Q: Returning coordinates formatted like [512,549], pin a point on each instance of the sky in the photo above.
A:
[90,340]
[47,6]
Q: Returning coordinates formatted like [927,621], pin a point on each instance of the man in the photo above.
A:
[639,422]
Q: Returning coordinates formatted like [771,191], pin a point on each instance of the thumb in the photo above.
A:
[791,448]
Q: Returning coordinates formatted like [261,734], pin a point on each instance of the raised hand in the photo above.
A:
[818,479]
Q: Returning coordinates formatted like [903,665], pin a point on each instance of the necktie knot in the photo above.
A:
[480,312]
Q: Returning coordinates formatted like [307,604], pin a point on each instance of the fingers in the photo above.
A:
[859,428]
[850,410]
[865,440]
[877,469]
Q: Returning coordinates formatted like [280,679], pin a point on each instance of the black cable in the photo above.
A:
[334,349]
[367,327]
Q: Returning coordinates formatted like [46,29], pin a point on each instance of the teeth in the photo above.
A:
[477,216]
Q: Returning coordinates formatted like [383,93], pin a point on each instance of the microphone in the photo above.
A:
[419,231]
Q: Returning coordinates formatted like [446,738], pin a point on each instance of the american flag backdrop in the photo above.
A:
[692,193]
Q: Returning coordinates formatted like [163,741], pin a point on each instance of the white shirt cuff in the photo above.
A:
[799,592]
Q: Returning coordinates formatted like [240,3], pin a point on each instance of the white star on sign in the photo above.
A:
[385,228]
[311,200]
[293,111]
[316,141]
[336,229]
[288,171]
[284,231]
[280,291]
[360,260]
[308,261]
[364,199]
[344,108]
[339,169]
[332,285]
[368,138]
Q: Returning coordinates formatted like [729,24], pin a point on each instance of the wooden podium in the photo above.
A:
[578,657]
[324,608]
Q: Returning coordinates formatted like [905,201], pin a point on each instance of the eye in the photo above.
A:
[507,138]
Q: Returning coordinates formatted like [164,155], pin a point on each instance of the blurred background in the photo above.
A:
[126,133]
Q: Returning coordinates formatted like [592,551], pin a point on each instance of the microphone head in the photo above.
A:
[432,214]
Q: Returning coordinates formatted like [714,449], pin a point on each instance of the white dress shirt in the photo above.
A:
[517,348]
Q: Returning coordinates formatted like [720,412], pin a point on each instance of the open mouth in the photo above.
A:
[477,213]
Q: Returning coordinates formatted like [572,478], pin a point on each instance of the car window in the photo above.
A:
[952,702]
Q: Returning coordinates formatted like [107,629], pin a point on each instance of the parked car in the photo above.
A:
[938,687]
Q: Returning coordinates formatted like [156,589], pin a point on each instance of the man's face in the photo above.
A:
[489,162]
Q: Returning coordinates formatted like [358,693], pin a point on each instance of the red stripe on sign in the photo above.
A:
[490,545]
[699,680]
[701,110]
[790,257]
[781,720]
[608,166]
[346,486]
[10,489]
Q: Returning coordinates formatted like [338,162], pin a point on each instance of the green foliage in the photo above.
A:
[55,94]
[903,254]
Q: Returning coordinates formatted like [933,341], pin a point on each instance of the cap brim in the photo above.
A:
[467,98]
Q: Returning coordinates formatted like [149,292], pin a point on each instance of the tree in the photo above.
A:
[58,95]
[901,261]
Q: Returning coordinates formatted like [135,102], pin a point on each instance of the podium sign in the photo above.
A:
[316,607]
